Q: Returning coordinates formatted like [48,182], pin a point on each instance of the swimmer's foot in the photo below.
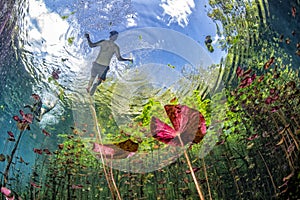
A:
[88,90]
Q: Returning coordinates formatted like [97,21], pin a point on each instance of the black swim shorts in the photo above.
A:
[99,70]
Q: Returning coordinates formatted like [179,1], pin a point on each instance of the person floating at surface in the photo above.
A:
[101,65]
[39,107]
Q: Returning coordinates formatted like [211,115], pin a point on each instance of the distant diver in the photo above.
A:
[39,107]
[101,65]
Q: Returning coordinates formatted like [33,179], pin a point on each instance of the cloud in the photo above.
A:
[178,10]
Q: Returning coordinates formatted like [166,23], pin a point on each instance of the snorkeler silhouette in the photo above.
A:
[101,65]
[39,107]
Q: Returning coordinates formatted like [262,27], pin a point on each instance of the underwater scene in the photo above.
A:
[149,99]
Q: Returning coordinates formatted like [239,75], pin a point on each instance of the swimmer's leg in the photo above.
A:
[99,81]
[93,90]
[90,83]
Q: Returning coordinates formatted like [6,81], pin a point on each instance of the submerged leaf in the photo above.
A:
[195,169]
[117,150]
[10,134]
[46,133]
[77,186]
[35,185]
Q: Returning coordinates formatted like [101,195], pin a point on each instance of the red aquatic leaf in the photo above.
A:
[10,134]
[220,142]
[27,117]
[105,150]
[195,169]
[275,108]
[247,73]
[77,186]
[38,151]
[23,125]
[163,132]
[35,185]
[117,150]
[269,63]
[293,9]
[268,100]
[47,151]
[7,193]
[272,91]
[61,146]
[245,82]
[271,99]
[46,133]
[188,123]
[239,71]
[261,78]
[252,137]
[16,118]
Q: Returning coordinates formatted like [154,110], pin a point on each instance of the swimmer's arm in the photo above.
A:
[120,58]
[92,44]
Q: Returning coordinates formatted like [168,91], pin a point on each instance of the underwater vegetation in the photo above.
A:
[237,142]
